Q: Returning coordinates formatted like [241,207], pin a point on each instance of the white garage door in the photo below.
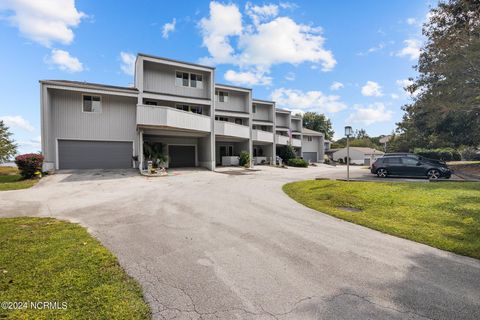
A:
[310,156]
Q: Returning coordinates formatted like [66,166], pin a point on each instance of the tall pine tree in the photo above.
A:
[8,148]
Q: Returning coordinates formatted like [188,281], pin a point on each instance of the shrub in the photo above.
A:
[29,164]
[445,154]
[297,162]
[286,153]
[469,154]
[244,159]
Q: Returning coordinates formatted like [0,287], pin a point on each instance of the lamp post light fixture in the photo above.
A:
[348,133]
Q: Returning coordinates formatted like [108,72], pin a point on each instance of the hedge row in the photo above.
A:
[445,154]
[297,162]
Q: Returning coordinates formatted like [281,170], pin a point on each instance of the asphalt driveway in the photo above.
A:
[234,246]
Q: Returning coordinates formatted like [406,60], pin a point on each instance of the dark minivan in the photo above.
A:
[409,166]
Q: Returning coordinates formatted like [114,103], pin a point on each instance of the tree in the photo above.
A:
[8,148]
[318,122]
[361,134]
[446,106]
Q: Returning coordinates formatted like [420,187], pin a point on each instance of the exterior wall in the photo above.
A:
[264,112]
[356,157]
[237,148]
[160,78]
[116,122]
[282,120]
[237,101]
[316,145]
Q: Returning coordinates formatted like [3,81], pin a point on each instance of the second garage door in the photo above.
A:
[83,154]
[181,156]
[310,156]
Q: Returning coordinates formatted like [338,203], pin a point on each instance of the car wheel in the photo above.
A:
[382,173]
[433,174]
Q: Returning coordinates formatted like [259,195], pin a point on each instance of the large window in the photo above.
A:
[308,138]
[221,96]
[190,108]
[196,81]
[182,79]
[186,79]
[92,104]
[239,121]
[254,108]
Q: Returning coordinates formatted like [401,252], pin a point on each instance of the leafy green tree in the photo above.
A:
[318,122]
[361,134]
[446,106]
[8,148]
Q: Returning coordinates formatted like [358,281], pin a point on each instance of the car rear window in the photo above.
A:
[391,160]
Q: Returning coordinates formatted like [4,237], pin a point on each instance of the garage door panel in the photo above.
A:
[83,154]
[181,156]
[310,156]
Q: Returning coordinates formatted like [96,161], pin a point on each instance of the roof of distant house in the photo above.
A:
[365,150]
[310,132]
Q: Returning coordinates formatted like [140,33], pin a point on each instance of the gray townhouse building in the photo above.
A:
[198,123]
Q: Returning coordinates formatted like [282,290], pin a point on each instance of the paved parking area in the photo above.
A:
[208,245]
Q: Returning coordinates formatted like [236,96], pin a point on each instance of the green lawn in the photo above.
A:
[10,179]
[43,259]
[445,215]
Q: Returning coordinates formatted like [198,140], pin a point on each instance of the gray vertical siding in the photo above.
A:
[117,121]
[237,101]
[161,79]
[264,112]
[282,120]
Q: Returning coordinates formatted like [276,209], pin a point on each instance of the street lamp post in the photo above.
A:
[348,133]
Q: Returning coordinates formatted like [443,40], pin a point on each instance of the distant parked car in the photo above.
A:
[409,166]
[415,156]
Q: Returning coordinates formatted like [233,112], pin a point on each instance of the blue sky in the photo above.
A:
[347,59]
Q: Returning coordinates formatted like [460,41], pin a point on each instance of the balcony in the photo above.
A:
[169,117]
[283,140]
[264,136]
[296,142]
[223,128]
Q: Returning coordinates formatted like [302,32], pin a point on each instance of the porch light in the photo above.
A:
[348,131]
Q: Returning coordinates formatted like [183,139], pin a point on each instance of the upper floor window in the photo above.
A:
[221,96]
[186,107]
[182,79]
[254,108]
[196,81]
[151,103]
[308,138]
[92,103]
[238,121]
[221,118]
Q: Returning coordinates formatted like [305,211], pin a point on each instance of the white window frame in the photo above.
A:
[92,95]
[225,95]
[190,79]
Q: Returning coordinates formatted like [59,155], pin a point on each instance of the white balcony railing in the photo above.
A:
[230,129]
[296,142]
[264,136]
[283,140]
[170,117]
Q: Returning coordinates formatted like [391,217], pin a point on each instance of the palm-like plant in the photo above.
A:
[153,151]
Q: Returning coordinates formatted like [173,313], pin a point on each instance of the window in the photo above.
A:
[238,121]
[308,138]
[92,104]
[263,128]
[197,110]
[254,108]
[151,103]
[196,81]
[409,161]
[186,107]
[221,96]
[391,160]
[181,79]
[221,119]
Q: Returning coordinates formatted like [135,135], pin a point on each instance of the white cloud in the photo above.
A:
[336,86]
[44,21]
[395,96]
[411,21]
[224,21]
[372,89]
[18,122]
[270,40]
[261,13]
[64,61]
[250,78]
[307,101]
[290,76]
[128,63]
[168,28]
[378,47]
[371,114]
[411,49]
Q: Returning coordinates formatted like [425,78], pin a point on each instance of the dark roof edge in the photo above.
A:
[173,60]
[87,84]
[231,86]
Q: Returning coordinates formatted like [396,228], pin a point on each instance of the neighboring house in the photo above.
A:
[199,123]
[313,147]
[327,145]
[358,155]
